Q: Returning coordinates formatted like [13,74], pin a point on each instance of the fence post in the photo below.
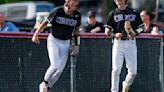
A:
[161,65]
[73,70]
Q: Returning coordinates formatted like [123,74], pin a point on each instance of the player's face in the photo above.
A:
[144,16]
[74,4]
[120,2]
[91,20]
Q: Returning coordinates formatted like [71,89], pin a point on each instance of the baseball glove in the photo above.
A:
[130,32]
[74,50]
[127,27]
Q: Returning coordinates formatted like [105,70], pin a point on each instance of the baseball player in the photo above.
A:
[123,21]
[65,21]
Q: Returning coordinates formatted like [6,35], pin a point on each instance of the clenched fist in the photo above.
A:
[35,38]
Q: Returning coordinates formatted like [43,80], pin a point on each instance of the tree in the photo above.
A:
[107,6]
[150,5]
[7,1]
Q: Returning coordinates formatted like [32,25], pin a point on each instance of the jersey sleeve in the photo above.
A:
[101,25]
[138,20]
[110,20]
[86,28]
[52,14]
[79,21]
[137,24]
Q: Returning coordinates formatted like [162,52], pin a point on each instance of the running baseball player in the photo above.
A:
[65,21]
[123,21]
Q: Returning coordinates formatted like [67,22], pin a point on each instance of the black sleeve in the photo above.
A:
[101,25]
[138,21]
[79,21]
[87,29]
[110,20]
[52,14]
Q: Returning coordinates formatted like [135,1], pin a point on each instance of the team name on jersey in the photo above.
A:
[66,21]
[120,17]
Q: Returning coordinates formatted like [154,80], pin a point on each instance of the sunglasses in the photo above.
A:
[77,6]
[91,17]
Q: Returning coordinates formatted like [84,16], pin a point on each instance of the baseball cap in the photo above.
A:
[91,14]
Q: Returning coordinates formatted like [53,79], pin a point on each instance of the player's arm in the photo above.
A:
[107,29]
[76,31]
[95,30]
[74,48]
[99,28]
[35,38]
[155,31]
[137,25]
[109,25]
[43,25]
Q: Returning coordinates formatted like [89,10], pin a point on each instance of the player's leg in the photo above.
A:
[53,52]
[117,62]
[63,53]
[131,64]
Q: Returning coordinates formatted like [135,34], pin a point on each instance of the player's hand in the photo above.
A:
[35,38]
[118,35]
[93,31]
[107,31]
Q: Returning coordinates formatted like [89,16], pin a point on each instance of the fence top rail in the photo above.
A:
[82,35]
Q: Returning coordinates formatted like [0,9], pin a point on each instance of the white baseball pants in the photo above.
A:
[58,51]
[123,49]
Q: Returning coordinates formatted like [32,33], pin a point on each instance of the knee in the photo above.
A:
[116,72]
[133,75]
[53,68]
[58,72]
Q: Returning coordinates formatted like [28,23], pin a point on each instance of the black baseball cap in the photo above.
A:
[91,14]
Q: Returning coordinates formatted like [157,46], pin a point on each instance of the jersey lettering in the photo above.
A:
[66,21]
[118,18]
[130,17]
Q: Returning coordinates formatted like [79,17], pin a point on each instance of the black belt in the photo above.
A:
[127,38]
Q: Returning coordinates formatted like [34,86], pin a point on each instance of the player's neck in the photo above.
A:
[122,7]
[67,10]
[93,24]
[146,23]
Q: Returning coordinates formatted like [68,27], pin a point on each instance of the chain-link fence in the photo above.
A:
[24,63]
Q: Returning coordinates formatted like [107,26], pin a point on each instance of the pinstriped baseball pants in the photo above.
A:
[123,49]
[58,51]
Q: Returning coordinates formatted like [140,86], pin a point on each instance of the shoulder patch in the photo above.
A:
[76,15]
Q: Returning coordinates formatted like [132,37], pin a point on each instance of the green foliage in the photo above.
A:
[8,1]
[108,5]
